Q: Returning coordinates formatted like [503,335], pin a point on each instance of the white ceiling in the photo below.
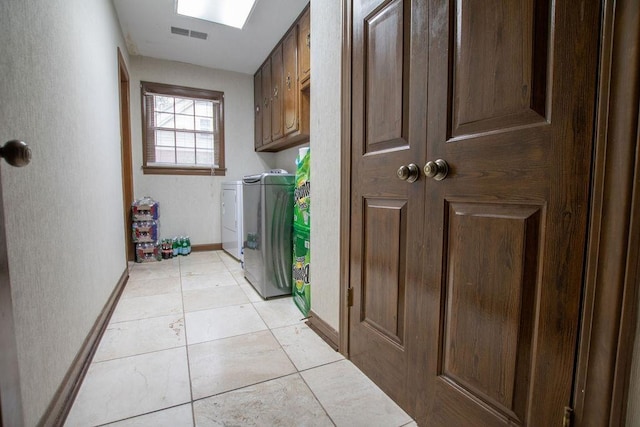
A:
[146,25]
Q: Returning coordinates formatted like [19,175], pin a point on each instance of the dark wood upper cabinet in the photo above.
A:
[281,100]
[266,102]
[290,91]
[257,108]
[276,93]
[304,48]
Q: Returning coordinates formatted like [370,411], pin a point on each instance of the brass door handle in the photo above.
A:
[437,170]
[409,173]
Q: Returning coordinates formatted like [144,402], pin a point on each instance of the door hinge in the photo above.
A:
[567,418]
[349,297]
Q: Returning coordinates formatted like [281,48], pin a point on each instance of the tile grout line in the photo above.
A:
[296,367]
[141,415]
[93,362]
[231,390]
[317,399]
[186,346]
[298,371]
[144,318]
[136,355]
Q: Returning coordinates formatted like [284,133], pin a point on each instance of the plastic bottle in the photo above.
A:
[167,249]
[188,241]
[185,250]
[176,247]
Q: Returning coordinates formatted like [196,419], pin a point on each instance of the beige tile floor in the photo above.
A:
[191,343]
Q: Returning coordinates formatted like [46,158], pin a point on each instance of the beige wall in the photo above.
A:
[325,159]
[191,204]
[64,221]
[286,159]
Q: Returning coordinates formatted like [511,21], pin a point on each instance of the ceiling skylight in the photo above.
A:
[233,13]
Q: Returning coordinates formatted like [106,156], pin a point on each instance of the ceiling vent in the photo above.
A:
[189,33]
[180,31]
[198,35]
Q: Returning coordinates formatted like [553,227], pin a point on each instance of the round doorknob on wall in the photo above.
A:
[409,173]
[16,153]
[437,170]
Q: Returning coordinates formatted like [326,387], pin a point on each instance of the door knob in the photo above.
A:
[437,170]
[409,173]
[16,153]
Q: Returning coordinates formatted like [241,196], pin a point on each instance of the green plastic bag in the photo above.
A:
[302,192]
[301,288]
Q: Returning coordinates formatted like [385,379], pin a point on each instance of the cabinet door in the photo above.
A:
[266,102]
[257,108]
[277,80]
[290,92]
[304,47]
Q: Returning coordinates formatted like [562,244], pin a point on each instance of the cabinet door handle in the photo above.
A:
[266,102]
[275,92]
[309,40]
[289,81]
[257,109]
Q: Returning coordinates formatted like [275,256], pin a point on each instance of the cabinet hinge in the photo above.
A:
[567,418]
[349,297]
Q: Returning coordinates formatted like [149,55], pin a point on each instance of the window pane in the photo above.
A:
[164,138]
[204,141]
[165,155]
[186,155]
[204,157]
[163,103]
[204,124]
[204,108]
[184,122]
[184,106]
[185,139]
[204,149]
[165,120]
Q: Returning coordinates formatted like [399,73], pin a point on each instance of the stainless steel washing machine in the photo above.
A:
[267,231]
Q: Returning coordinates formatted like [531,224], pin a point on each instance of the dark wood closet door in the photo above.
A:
[387,212]
[467,289]
[511,108]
